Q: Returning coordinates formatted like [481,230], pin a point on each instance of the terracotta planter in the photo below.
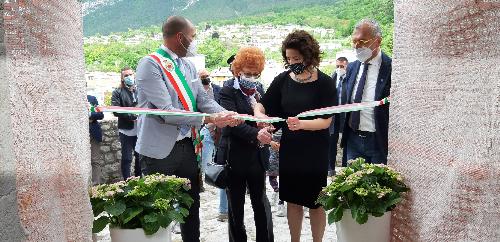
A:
[135,235]
[376,229]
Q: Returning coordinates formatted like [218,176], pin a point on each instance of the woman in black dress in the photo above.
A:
[304,142]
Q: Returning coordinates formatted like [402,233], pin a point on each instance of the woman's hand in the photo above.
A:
[275,146]
[295,124]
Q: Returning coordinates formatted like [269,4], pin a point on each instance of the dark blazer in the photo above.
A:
[337,125]
[239,144]
[123,97]
[94,126]
[382,90]
[216,89]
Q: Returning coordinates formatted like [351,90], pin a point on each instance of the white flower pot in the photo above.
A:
[136,235]
[376,229]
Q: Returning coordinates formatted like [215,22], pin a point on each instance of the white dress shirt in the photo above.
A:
[366,117]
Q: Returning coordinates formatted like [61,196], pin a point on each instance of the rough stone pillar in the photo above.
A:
[44,144]
[445,119]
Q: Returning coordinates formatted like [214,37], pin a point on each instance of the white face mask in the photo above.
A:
[192,49]
[340,71]
[363,54]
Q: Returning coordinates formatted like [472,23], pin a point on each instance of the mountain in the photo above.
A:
[107,16]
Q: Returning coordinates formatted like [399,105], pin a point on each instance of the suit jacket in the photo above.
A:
[216,88]
[382,90]
[123,97]
[94,126]
[337,125]
[157,134]
[239,145]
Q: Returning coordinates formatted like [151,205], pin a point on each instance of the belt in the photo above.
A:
[362,134]
[186,140]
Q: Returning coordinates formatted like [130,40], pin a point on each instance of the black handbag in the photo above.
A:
[217,173]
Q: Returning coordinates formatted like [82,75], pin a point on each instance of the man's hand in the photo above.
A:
[264,136]
[223,119]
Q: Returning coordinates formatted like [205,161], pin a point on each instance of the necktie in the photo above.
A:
[339,90]
[354,122]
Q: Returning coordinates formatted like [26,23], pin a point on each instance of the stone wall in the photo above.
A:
[109,162]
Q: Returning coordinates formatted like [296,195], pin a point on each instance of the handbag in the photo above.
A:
[216,175]
[217,172]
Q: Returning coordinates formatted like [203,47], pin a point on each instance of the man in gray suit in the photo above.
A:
[166,80]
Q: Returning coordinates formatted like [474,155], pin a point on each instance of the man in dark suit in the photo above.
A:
[368,79]
[95,140]
[337,126]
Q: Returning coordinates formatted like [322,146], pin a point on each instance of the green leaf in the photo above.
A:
[361,217]
[335,215]
[129,214]
[97,206]
[184,212]
[150,218]
[174,215]
[164,220]
[393,201]
[150,228]
[116,208]
[345,187]
[99,224]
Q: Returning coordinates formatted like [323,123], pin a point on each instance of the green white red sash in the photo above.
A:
[181,86]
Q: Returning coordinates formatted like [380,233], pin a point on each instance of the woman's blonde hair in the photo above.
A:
[248,57]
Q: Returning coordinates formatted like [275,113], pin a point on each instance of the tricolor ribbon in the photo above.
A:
[316,112]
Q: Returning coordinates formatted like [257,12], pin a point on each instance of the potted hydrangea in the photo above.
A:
[140,209]
[360,199]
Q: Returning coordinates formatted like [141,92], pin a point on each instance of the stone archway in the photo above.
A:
[444,137]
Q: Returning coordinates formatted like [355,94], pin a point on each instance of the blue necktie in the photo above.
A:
[355,116]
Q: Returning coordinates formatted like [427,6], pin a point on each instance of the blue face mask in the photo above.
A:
[129,81]
[247,83]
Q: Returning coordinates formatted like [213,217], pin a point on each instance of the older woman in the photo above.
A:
[304,143]
[247,160]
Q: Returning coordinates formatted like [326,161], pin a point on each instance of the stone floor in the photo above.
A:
[215,231]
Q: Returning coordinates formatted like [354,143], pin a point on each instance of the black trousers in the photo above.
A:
[255,176]
[128,146]
[180,162]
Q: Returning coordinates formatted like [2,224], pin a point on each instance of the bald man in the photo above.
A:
[166,144]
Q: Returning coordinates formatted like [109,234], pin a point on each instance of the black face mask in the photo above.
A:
[297,68]
[205,81]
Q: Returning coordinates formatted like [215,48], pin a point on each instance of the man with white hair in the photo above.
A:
[368,79]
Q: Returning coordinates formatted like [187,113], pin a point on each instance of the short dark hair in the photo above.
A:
[343,59]
[304,43]
[174,25]
[125,68]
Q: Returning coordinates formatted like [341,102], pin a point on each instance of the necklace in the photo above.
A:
[300,80]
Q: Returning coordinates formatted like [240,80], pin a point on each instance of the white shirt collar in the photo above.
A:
[171,53]
[377,61]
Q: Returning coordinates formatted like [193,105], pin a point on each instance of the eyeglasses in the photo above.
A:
[361,42]
[250,75]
